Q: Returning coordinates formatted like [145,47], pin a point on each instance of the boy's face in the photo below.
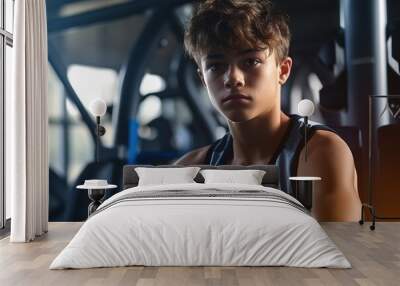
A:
[243,84]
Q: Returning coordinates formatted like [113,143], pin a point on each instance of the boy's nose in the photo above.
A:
[233,77]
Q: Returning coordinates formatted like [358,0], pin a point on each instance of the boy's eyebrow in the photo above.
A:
[213,56]
[249,51]
[220,55]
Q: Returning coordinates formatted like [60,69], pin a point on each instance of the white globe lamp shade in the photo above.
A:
[98,107]
[305,108]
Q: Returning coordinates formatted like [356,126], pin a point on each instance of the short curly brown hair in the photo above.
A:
[230,24]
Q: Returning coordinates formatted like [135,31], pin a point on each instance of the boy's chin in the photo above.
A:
[239,117]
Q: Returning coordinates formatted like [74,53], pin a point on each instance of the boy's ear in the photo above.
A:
[284,69]
[201,77]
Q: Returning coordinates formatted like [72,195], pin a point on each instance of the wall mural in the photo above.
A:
[131,55]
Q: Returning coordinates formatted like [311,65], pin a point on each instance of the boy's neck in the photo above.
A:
[256,141]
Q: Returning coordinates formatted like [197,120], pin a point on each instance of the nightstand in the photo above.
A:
[304,188]
[96,192]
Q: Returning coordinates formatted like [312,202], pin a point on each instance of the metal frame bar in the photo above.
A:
[179,69]
[61,71]
[4,32]
[65,125]
[132,74]
[207,124]
[109,13]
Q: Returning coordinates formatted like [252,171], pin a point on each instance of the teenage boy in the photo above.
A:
[241,49]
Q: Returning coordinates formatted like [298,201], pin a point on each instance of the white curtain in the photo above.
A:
[26,124]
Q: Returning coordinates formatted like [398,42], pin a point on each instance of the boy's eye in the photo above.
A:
[252,62]
[213,67]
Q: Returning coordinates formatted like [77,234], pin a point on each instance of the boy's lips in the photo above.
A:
[235,96]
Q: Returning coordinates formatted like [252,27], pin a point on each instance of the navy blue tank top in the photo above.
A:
[286,156]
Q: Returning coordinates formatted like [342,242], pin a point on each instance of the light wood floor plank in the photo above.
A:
[375,257]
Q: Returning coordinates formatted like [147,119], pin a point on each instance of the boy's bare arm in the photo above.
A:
[195,157]
[335,198]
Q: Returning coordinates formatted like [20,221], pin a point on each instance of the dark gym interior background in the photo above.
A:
[130,54]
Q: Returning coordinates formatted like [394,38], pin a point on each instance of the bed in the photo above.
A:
[201,223]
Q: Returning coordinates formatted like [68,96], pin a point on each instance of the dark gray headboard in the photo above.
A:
[270,179]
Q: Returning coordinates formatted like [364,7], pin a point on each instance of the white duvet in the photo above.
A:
[207,230]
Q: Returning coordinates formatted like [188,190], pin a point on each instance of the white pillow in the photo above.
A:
[248,177]
[162,176]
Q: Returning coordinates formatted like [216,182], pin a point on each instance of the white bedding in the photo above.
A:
[187,230]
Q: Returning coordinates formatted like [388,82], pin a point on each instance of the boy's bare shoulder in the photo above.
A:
[197,156]
[329,156]
[327,142]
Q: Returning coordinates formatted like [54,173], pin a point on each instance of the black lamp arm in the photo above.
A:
[100,131]
[305,137]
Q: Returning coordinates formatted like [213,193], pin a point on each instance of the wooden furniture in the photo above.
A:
[375,257]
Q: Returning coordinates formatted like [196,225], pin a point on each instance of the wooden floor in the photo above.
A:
[375,256]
